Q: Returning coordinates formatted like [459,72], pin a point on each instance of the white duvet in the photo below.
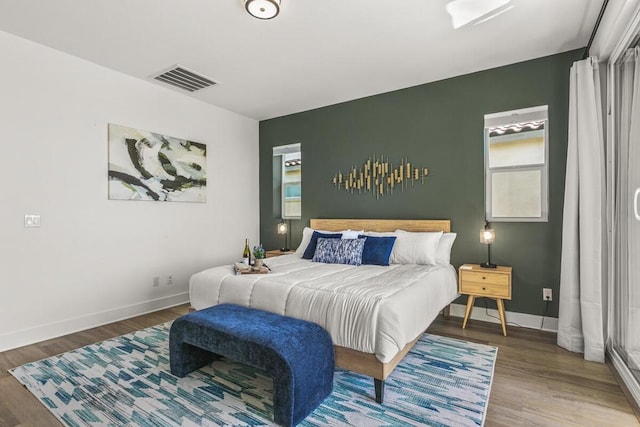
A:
[372,309]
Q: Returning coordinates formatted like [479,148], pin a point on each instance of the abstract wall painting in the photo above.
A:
[148,166]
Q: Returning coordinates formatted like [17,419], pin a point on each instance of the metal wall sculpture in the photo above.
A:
[379,177]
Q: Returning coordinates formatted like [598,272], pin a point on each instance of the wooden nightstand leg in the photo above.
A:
[502,317]
[467,313]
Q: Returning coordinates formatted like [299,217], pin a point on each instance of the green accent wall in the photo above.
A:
[437,125]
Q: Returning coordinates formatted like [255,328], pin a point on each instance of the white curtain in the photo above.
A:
[581,323]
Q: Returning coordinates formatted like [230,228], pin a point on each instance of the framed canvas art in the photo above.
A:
[148,166]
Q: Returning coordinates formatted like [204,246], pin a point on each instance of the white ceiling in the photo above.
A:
[315,53]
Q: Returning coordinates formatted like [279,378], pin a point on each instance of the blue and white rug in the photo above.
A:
[126,381]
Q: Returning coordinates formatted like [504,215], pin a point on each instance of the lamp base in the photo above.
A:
[284,249]
[488,265]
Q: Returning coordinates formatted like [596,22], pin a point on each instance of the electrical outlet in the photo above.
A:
[31,221]
[547,294]
[156,281]
[169,279]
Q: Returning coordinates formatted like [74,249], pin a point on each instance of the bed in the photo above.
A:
[375,314]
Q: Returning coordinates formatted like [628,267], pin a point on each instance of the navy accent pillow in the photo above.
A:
[339,251]
[311,247]
[377,250]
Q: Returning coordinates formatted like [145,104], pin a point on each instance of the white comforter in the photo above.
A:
[372,309]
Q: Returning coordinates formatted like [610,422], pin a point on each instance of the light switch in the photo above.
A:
[31,220]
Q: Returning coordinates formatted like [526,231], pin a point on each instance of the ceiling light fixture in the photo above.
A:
[262,9]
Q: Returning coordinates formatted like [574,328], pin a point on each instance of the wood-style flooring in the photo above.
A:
[536,383]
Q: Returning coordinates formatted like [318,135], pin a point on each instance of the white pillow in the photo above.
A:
[351,234]
[415,248]
[306,238]
[443,254]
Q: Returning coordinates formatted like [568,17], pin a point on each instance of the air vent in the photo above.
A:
[183,78]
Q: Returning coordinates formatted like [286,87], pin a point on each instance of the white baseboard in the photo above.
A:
[47,331]
[524,320]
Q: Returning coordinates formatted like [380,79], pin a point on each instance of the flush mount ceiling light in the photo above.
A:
[465,12]
[262,9]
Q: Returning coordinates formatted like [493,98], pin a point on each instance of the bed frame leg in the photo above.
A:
[446,312]
[379,386]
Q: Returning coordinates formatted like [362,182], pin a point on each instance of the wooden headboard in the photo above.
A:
[382,224]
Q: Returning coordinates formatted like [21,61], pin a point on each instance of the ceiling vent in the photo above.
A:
[183,78]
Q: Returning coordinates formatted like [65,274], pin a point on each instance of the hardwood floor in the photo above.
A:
[536,383]
[18,407]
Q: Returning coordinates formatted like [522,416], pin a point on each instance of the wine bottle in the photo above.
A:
[246,254]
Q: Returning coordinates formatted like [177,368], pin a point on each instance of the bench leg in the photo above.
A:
[379,386]
[186,358]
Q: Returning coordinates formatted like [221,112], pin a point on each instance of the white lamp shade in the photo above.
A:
[487,235]
[263,9]
[282,228]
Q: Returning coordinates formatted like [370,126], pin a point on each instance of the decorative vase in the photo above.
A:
[258,263]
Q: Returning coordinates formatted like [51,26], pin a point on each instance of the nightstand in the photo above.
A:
[475,281]
[277,252]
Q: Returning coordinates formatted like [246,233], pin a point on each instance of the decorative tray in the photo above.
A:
[240,268]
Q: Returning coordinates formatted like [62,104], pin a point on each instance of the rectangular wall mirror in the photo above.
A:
[516,165]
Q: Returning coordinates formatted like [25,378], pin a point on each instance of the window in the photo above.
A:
[516,170]
[290,180]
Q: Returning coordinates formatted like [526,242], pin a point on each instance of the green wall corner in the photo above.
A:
[437,125]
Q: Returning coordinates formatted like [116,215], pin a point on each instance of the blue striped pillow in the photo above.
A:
[339,251]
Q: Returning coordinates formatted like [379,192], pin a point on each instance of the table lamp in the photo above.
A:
[283,228]
[487,236]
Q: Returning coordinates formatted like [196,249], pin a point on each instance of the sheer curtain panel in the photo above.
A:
[581,322]
[626,336]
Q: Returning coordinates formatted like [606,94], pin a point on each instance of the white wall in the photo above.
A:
[92,261]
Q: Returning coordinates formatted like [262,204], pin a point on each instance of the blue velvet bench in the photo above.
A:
[296,353]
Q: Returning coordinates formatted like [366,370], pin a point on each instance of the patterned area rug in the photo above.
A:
[126,381]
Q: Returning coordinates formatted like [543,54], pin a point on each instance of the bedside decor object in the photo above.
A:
[241,268]
[258,255]
[379,176]
[149,166]
[246,253]
[487,236]
[283,228]
[262,9]
[474,281]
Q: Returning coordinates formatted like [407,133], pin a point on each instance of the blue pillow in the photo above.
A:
[311,247]
[339,251]
[377,250]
